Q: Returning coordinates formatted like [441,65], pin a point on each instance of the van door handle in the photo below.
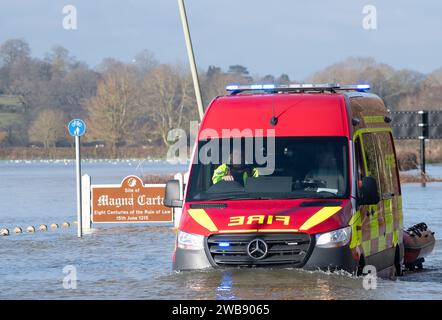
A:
[388,195]
[370,212]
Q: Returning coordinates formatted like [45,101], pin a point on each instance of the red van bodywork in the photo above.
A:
[299,115]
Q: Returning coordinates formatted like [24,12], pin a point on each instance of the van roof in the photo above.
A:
[298,114]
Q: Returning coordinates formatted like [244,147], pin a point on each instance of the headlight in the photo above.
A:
[190,241]
[332,239]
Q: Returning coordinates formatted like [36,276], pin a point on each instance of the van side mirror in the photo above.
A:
[369,193]
[172,195]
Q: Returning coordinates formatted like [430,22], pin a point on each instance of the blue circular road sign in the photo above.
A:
[76,127]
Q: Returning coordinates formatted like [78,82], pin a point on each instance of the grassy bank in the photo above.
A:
[409,178]
[157,178]
[408,153]
[18,153]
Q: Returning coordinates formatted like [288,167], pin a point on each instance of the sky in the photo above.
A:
[268,37]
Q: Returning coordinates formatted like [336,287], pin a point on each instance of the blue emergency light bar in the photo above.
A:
[237,88]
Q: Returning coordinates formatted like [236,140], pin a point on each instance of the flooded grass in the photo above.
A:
[417,178]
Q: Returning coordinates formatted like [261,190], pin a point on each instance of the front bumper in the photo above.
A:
[340,258]
[191,260]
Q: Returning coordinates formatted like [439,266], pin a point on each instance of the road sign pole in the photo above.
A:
[78,173]
[77,128]
[424,134]
[423,171]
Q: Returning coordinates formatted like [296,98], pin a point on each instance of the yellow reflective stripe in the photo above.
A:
[401,214]
[355,218]
[390,160]
[202,218]
[388,206]
[319,217]
[374,223]
[366,247]
[382,243]
[388,211]
[374,119]
[395,238]
[356,235]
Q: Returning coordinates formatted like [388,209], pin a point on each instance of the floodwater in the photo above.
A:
[134,261]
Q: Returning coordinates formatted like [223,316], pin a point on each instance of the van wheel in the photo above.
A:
[397,263]
[361,265]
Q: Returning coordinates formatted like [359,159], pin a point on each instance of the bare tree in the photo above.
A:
[113,110]
[214,82]
[72,91]
[12,50]
[3,137]
[283,79]
[29,82]
[168,100]
[48,128]
[61,61]
[145,61]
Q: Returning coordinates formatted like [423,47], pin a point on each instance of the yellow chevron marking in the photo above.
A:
[319,217]
[202,218]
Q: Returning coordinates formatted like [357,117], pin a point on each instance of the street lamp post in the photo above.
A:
[191,56]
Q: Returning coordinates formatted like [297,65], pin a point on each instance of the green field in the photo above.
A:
[9,119]
[9,100]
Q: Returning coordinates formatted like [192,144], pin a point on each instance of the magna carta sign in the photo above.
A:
[129,202]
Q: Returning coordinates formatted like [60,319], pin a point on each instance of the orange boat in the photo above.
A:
[418,242]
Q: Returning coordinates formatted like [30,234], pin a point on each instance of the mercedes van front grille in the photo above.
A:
[259,249]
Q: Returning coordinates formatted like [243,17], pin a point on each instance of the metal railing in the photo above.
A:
[421,125]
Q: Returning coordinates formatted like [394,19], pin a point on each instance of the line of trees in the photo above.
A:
[136,104]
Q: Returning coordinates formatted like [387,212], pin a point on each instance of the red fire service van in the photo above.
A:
[299,175]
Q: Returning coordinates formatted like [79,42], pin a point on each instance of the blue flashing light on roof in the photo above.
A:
[363,87]
[251,87]
[236,88]
[232,87]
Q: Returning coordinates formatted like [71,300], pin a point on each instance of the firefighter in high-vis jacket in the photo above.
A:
[236,171]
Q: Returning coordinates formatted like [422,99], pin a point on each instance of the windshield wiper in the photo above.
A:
[326,195]
[275,196]
[235,197]
[217,198]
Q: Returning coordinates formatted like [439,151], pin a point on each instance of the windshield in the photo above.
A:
[276,168]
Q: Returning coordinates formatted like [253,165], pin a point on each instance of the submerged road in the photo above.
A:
[134,261]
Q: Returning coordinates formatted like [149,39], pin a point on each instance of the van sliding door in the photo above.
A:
[372,215]
[389,181]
